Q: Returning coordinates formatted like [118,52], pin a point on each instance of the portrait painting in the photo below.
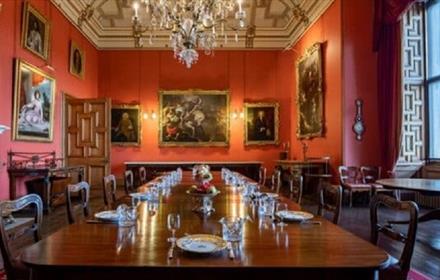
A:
[194,118]
[34,104]
[36,32]
[310,93]
[261,123]
[126,125]
[77,61]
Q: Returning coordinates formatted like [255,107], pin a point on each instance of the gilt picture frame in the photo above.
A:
[194,118]
[35,32]
[261,123]
[77,60]
[126,124]
[310,105]
[34,104]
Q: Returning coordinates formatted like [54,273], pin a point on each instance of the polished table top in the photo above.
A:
[264,245]
[424,185]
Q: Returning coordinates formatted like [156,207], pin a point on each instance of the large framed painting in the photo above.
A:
[35,32]
[126,125]
[77,61]
[310,93]
[194,118]
[261,123]
[34,104]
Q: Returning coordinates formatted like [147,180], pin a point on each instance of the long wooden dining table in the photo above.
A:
[105,251]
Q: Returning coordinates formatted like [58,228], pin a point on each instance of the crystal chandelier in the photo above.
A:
[192,24]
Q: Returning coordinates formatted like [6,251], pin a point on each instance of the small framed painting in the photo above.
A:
[77,61]
[35,32]
[34,104]
[126,125]
[194,118]
[261,124]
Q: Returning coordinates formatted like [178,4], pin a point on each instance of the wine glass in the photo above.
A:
[173,221]
[281,207]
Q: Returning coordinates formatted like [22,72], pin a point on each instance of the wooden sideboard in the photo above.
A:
[248,168]
[312,170]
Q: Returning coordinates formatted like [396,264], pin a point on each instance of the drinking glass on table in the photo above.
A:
[173,222]
[281,207]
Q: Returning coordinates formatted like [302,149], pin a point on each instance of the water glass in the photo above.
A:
[173,222]
[232,228]
[127,215]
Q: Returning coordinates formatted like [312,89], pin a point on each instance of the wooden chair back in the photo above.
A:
[296,182]
[83,191]
[7,242]
[330,200]
[276,180]
[262,173]
[109,190]
[349,175]
[129,182]
[407,239]
[142,175]
[370,174]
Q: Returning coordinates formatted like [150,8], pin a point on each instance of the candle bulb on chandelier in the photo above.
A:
[136,9]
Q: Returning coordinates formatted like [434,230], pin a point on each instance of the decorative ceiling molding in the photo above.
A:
[277,26]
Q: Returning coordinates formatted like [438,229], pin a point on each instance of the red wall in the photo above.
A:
[137,76]
[360,81]
[10,48]
[326,30]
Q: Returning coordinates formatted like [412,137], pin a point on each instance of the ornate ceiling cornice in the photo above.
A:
[120,37]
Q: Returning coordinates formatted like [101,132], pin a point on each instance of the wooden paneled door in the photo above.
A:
[87,136]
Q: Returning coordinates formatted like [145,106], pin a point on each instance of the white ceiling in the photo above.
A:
[277,23]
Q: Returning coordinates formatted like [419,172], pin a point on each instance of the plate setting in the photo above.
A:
[294,216]
[108,216]
[201,243]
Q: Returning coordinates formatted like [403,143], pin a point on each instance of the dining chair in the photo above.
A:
[142,175]
[82,199]
[10,244]
[330,200]
[129,182]
[262,176]
[351,181]
[296,183]
[370,174]
[276,180]
[109,189]
[398,269]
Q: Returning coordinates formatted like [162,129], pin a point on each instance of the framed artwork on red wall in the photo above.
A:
[77,61]
[310,94]
[34,104]
[261,121]
[194,118]
[126,125]
[35,32]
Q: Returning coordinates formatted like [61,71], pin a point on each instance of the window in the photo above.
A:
[433,76]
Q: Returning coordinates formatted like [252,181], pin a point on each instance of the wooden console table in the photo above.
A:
[38,165]
[248,168]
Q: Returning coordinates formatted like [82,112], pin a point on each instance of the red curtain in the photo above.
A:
[387,43]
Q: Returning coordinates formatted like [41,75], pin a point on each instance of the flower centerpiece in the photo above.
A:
[203,176]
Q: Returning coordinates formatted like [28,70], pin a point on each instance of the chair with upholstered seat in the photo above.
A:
[276,180]
[9,244]
[330,200]
[351,181]
[399,268]
[142,175]
[370,174]
[262,176]
[296,187]
[109,191]
[82,189]
[129,182]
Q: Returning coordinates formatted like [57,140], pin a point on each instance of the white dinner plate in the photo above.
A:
[294,216]
[270,195]
[111,216]
[201,243]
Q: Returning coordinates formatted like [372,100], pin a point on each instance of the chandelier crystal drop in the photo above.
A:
[192,24]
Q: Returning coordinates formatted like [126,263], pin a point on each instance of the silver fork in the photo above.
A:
[231,254]
[171,250]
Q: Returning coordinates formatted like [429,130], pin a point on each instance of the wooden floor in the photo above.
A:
[426,257]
